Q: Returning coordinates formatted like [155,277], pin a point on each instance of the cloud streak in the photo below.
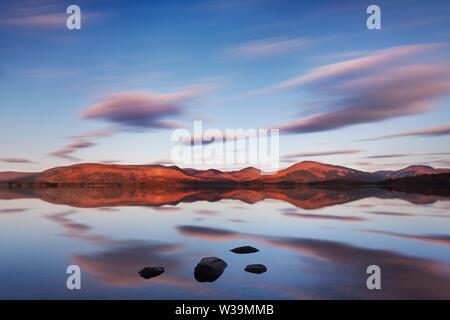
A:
[270,47]
[427,132]
[353,67]
[384,85]
[81,141]
[15,160]
[142,110]
[39,14]
[322,153]
[388,156]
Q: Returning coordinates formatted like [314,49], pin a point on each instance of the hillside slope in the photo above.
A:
[307,172]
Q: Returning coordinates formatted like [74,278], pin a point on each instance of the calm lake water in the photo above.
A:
[316,244]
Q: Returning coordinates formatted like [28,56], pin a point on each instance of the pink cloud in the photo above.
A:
[270,47]
[40,14]
[110,161]
[354,66]
[80,145]
[322,153]
[427,132]
[15,160]
[388,156]
[369,89]
[142,109]
[99,133]
[135,110]
[42,20]
[81,141]
[64,153]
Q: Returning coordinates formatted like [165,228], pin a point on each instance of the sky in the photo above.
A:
[115,90]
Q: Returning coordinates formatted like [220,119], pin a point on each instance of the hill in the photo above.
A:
[307,172]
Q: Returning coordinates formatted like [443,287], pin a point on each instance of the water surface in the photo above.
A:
[316,243]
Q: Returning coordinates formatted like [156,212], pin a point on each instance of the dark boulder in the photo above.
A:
[209,269]
[256,268]
[244,249]
[151,272]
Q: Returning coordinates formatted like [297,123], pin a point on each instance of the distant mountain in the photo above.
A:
[247,174]
[423,180]
[210,174]
[310,171]
[307,172]
[412,171]
[12,175]
[103,174]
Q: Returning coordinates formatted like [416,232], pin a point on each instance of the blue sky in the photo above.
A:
[311,68]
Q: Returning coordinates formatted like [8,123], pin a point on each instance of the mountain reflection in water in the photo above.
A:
[302,197]
[316,243]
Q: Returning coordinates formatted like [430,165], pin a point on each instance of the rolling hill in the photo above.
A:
[307,172]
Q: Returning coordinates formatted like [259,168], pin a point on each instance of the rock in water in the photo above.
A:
[256,268]
[209,269]
[244,249]
[151,272]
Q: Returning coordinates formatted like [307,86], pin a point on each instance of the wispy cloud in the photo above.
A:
[81,141]
[40,14]
[140,110]
[442,162]
[270,47]
[110,161]
[353,67]
[67,151]
[130,111]
[95,134]
[37,20]
[436,154]
[16,160]
[387,156]
[163,162]
[427,132]
[322,153]
[384,85]
[12,210]
[49,73]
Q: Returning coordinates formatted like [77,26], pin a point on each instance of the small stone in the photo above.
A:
[244,249]
[151,272]
[256,268]
[209,269]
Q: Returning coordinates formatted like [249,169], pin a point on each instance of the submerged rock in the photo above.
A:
[151,272]
[256,268]
[244,249]
[209,269]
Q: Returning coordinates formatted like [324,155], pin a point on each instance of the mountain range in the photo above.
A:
[307,172]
